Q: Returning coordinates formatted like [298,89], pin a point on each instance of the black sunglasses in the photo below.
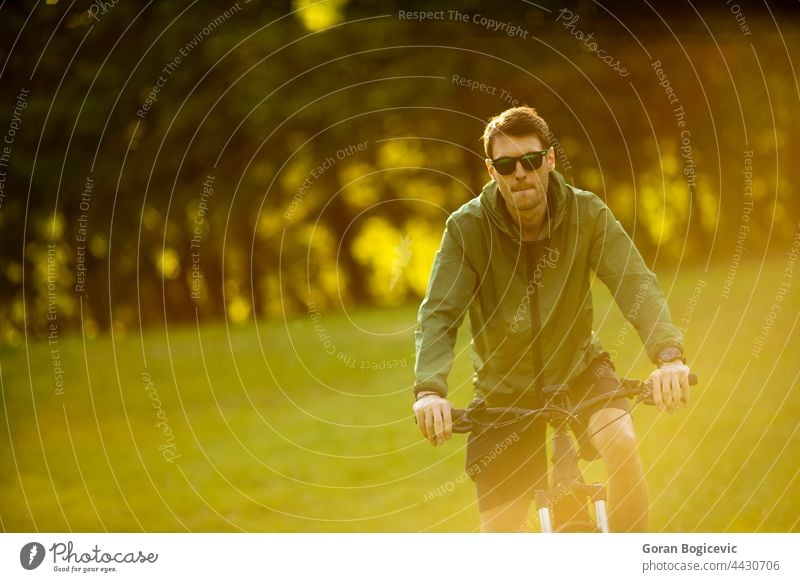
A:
[529,161]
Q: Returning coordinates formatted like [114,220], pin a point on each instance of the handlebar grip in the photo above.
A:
[692,379]
[461,422]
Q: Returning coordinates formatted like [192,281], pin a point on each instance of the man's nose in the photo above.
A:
[519,171]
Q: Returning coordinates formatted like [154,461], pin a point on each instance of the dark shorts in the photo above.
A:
[511,461]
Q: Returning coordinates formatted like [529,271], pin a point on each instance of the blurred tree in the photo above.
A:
[339,136]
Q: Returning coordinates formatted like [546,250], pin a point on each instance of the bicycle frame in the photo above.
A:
[564,502]
[568,482]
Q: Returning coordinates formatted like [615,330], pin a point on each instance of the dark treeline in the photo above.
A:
[240,160]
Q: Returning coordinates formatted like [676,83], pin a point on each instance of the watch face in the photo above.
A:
[669,354]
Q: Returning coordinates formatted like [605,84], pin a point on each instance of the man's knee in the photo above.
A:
[616,443]
[621,450]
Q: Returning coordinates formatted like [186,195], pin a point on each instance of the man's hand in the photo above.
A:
[671,385]
[434,419]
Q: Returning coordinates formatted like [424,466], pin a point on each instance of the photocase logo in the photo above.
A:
[31,555]
[401,259]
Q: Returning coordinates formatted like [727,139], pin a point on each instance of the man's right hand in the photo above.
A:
[434,419]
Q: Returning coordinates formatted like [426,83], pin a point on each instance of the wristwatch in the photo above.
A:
[669,354]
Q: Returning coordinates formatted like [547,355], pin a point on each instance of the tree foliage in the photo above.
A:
[247,158]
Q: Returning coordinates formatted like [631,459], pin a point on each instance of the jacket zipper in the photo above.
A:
[531,259]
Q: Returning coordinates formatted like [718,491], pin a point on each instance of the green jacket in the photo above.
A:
[530,303]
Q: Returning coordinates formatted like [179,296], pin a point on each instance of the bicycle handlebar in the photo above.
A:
[465,419]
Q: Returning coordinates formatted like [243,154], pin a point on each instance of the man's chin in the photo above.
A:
[526,200]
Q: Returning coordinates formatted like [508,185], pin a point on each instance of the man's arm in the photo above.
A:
[450,290]
[636,291]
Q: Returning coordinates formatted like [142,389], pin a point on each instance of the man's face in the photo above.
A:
[523,189]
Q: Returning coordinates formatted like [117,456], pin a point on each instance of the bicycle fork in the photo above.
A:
[563,507]
[601,512]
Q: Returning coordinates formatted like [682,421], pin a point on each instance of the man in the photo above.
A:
[518,259]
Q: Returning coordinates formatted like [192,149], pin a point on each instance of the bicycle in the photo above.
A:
[563,507]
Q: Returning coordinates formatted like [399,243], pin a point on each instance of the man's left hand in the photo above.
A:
[671,386]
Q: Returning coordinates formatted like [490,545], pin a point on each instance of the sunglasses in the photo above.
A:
[529,161]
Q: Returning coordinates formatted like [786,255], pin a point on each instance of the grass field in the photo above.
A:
[268,431]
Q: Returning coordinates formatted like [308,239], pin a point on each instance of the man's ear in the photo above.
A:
[551,159]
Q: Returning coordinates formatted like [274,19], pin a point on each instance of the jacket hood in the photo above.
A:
[495,208]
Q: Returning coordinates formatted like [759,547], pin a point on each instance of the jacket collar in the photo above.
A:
[495,208]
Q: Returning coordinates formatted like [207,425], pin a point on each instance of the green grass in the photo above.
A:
[275,434]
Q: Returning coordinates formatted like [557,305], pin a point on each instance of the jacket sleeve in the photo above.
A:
[450,290]
[636,291]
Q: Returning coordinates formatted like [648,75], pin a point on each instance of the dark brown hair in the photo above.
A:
[517,122]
